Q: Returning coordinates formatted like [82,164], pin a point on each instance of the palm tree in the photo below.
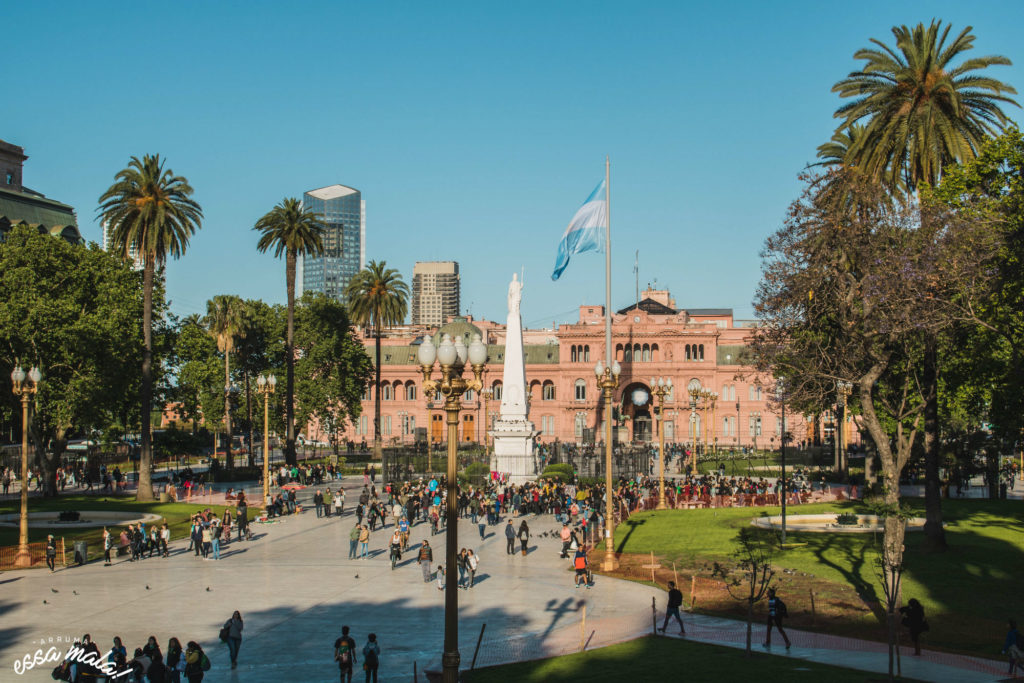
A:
[293,231]
[922,113]
[151,215]
[226,322]
[377,297]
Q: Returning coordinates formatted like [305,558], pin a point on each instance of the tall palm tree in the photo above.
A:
[922,113]
[150,214]
[226,322]
[377,297]
[293,231]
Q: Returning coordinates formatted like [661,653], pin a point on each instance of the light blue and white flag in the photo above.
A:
[585,231]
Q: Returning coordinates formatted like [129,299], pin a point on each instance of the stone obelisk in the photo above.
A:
[513,432]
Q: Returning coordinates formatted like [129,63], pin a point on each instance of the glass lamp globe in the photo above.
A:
[446,353]
[35,375]
[427,352]
[477,351]
[599,368]
[461,352]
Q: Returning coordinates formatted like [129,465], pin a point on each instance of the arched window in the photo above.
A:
[637,353]
[647,353]
[701,349]
[468,395]
[367,392]
[385,392]
[654,352]
[586,353]
[410,391]
[750,392]
[687,352]
[534,390]
[618,353]
[581,390]
[628,354]
[496,391]
[548,391]
[579,425]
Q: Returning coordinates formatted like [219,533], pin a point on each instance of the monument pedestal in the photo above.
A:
[513,450]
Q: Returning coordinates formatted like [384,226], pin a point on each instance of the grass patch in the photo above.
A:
[177,516]
[963,590]
[660,659]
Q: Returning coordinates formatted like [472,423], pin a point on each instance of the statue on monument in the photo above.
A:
[515,295]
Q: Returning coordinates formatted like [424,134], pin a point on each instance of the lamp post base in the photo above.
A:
[23,559]
[662,505]
[450,667]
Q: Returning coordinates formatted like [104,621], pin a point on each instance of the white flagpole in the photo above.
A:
[608,269]
[610,563]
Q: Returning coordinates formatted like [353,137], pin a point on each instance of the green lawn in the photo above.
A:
[177,515]
[668,659]
[966,591]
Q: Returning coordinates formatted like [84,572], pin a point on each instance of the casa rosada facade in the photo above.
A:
[651,339]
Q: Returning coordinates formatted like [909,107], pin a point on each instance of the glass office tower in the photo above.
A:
[343,210]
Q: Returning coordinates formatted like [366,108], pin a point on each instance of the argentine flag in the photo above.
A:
[585,231]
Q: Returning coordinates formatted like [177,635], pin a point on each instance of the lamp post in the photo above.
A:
[607,381]
[695,396]
[843,389]
[452,358]
[706,394]
[661,387]
[780,394]
[486,394]
[714,438]
[25,385]
[265,386]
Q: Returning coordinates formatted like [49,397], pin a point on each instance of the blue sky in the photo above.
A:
[474,130]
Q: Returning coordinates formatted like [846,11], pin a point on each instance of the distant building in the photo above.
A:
[435,292]
[343,210]
[137,262]
[22,206]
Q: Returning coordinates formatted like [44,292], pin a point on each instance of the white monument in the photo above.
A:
[513,432]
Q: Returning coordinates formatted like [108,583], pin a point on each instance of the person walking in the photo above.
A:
[524,536]
[371,657]
[233,629]
[215,532]
[345,654]
[108,543]
[460,562]
[51,552]
[776,613]
[472,563]
[1013,646]
[566,536]
[353,541]
[165,538]
[913,619]
[318,501]
[510,538]
[581,565]
[425,557]
[675,601]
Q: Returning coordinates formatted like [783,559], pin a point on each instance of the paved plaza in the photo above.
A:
[296,588]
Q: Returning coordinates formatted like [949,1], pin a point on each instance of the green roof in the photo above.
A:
[536,354]
[52,216]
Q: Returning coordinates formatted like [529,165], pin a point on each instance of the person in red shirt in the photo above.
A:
[579,561]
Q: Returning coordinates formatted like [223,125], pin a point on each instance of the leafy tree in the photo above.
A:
[378,298]
[76,312]
[199,388]
[333,368]
[150,212]
[753,555]
[226,322]
[922,113]
[261,350]
[293,231]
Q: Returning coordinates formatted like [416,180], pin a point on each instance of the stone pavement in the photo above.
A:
[296,587]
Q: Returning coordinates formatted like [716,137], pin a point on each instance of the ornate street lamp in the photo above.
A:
[607,381]
[452,358]
[486,394]
[696,395]
[265,387]
[25,385]
[661,387]
[843,389]
[780,394]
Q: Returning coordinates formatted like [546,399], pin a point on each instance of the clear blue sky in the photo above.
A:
[474,130]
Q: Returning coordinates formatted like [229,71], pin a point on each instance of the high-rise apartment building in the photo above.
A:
[133,253]
[343,210]
[435,292]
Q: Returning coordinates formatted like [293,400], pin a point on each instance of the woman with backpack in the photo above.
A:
[371,658]
[524,536]
[776,613]
[196,662]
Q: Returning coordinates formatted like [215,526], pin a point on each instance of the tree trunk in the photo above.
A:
[934,533]
[145,490]
[377,451]
[289,359]
[229,461]
[750,624]
[248,402]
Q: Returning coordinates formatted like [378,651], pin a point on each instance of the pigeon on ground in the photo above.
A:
[45,603]
[207,589]
[75,592]
[357,576]
[147,587]
[54,590]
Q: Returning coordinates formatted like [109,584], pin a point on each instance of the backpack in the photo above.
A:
[204,662]
[780,608]
[370,659]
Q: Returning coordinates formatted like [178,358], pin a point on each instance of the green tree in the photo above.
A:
[378,298]
[290,230]
[261,350]
[76,312]
[921,113]
[199,388]
[226,323]
[333,369]
[150,212]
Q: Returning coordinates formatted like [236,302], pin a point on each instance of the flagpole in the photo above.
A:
[610,564]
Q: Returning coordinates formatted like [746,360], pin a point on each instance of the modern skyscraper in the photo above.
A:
[137,262]
[343,210]
[435,292]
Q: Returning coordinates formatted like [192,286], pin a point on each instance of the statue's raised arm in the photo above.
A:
[515,294]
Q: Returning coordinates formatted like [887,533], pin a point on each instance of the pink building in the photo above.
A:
[650,339]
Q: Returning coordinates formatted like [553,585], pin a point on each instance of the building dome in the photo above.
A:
[458,327]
